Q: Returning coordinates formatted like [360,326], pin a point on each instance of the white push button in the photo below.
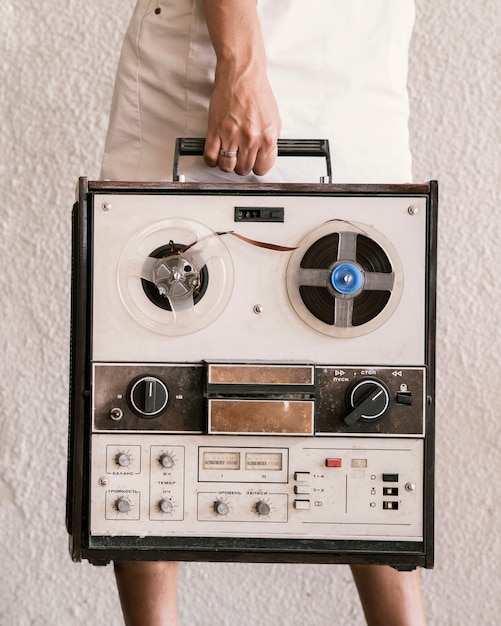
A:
[302,477]
[302,489]
[302,505]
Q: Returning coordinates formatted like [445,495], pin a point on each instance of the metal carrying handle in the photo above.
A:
[194,146]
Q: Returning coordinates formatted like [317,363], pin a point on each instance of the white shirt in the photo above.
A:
[338,69]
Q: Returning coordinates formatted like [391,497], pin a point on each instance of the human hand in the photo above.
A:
[243,114]
[243,119]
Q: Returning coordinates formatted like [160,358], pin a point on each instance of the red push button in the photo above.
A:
[333,462]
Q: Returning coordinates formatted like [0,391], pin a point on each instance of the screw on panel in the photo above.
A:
[106,206]
[103,481]
[412,210]
[257,308]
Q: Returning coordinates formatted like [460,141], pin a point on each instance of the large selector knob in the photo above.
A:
[221,507]
[368,399]
[148,396]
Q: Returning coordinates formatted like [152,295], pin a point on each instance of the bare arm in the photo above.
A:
[243,113]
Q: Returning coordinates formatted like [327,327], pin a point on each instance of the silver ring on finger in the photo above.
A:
[228,153]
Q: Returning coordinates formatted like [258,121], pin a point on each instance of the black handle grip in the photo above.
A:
[194,146]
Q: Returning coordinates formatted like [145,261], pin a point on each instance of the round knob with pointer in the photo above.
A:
[148,396]
[368,399]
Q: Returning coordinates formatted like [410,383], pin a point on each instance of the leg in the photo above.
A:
[389,597]
[147,591]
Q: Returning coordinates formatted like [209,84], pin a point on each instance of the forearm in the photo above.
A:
[243,114]
[235,31]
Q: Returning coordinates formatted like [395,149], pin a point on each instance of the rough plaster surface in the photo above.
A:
[57,61]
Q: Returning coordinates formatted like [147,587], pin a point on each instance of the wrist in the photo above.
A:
[233,66]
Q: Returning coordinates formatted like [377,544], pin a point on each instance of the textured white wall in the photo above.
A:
[57,61]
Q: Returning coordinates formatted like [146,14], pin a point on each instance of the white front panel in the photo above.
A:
[246,312]
[209,486]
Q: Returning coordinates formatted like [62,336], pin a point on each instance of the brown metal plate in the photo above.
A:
[290,417]
[226,374]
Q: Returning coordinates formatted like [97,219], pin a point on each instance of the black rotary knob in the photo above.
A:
[148,396]
[367,399]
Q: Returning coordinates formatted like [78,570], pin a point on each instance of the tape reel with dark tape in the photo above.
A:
[345,279]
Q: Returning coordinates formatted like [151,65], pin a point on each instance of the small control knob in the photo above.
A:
[123,505]
[148,396]
[123,459]
[368,399]
[263,508]
[166,461]
[165,505]
[221,507]
[116,414]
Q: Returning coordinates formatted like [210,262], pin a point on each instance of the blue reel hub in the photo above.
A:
[347,278]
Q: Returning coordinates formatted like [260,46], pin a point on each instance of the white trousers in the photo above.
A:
[338,69]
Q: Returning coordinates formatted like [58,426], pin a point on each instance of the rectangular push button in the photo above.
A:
[302,489]
[390,491]
[390,478]
[334,462]
[302,477]
[302,505]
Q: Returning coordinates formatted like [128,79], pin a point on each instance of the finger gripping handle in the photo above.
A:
[194,146]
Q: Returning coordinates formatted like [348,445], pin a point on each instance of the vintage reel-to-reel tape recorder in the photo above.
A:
[253,372]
